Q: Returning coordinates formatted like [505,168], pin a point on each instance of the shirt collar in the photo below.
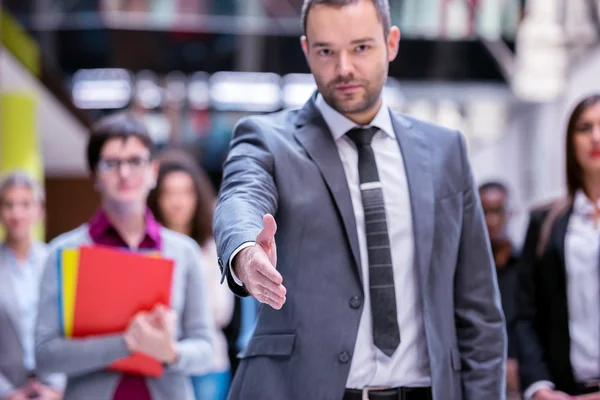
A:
[99,226]
[35,256]
[582,204]
[339,125]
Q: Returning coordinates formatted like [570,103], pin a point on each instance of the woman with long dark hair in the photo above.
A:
[183,201]
[559,325]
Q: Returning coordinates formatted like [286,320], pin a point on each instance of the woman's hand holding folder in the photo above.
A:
[154,334]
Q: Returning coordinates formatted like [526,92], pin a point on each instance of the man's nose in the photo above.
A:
[344,66]
[124,169]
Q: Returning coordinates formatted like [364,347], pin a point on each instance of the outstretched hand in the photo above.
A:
[256,267]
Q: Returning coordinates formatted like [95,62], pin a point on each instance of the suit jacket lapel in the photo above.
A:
[417,155]
[7,294]
[314,135]
[558,279]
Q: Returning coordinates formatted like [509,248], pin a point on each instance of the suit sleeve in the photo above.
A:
[220,297]
[480,326]
[73,357]
[532,365]
[248,192]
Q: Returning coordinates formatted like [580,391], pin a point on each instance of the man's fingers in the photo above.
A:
[140,316]
[266,291]
[267,234]
[265,268]
[266,283]
[265,297]
[276,293]
[145,327]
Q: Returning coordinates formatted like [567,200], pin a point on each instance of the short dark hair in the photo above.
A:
[382,7]
[177,160]
[122,125]
[494,185]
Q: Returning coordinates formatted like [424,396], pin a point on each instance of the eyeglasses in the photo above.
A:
[135,164]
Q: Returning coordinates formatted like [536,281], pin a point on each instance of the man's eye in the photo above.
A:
[136,162]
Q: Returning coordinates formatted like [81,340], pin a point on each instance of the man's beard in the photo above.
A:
[367,100]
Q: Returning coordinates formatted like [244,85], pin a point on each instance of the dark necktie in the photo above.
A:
[386,333]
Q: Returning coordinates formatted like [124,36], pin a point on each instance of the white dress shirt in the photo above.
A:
[409,365]
[582,256]
[582,245]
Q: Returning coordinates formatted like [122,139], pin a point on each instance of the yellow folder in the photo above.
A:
[69,266]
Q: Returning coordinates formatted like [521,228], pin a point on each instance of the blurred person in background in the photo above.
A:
[559,299]
[495,202]
[184,201]
[22,259]
[121,159]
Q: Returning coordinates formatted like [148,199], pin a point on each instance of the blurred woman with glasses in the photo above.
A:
[184,201]
[559,325]
[121,159]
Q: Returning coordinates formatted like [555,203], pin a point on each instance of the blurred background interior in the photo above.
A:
[503,72]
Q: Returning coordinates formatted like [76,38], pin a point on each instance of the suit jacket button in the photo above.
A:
[344,357]
[355,302]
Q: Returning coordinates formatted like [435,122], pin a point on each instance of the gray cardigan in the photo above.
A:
[13,372]
[84,361]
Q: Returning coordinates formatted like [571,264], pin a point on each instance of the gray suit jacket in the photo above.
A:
[13,373]
[84,361]
[287,164]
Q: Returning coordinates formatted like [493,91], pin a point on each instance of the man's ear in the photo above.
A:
[304,44]
[155,169]
[393,43]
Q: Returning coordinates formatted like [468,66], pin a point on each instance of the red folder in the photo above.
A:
[112,286]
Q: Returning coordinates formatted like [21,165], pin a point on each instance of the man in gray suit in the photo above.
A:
[380,280]
[22,259]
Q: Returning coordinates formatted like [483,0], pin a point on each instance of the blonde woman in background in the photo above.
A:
[22,259]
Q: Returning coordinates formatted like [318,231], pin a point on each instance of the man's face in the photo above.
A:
[348,54]
[126,171]
[493,201]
